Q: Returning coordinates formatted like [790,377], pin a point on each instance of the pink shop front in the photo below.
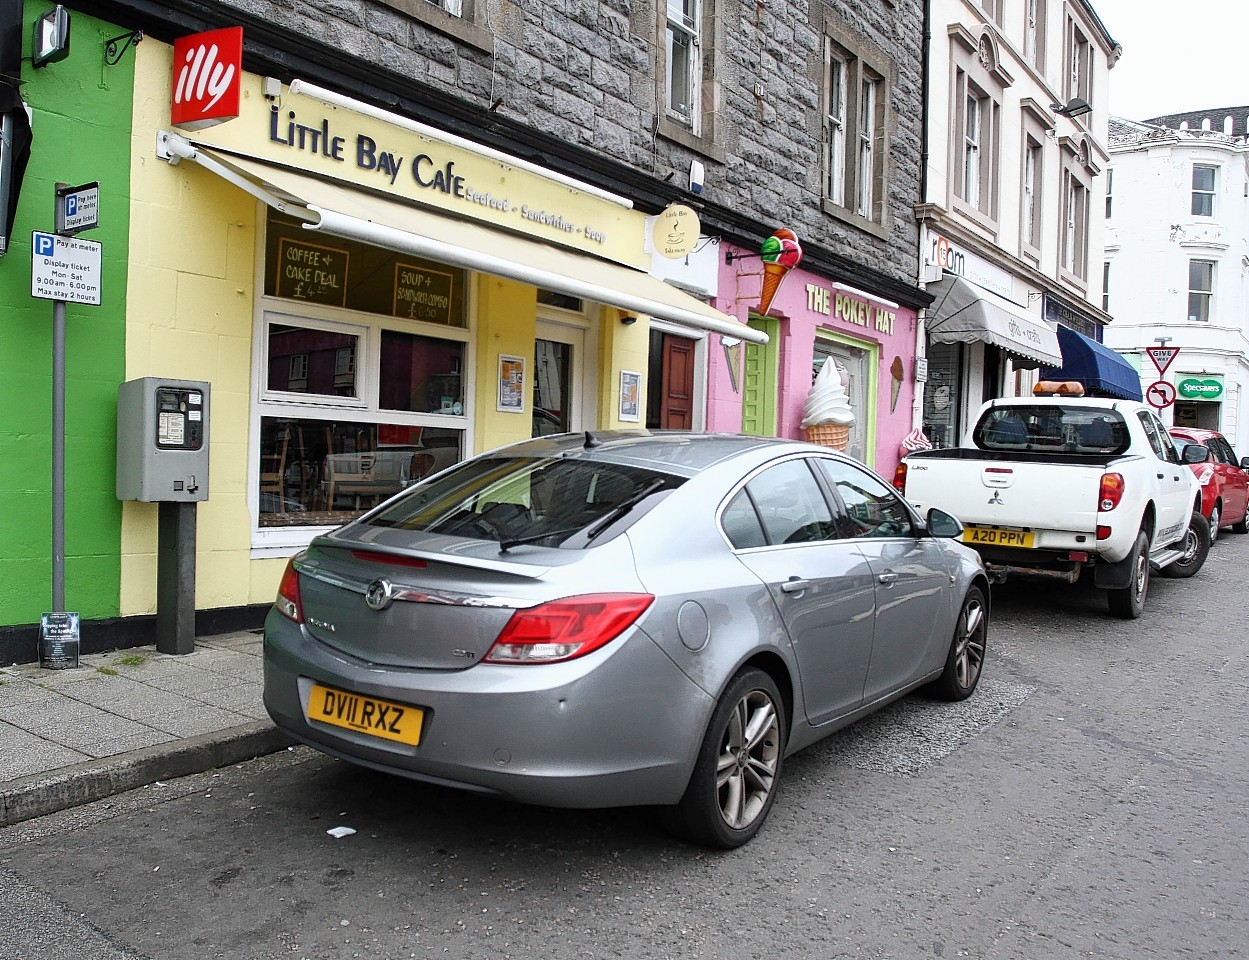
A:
[762,388]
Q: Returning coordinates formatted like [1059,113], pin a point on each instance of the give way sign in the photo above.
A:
[1162,357]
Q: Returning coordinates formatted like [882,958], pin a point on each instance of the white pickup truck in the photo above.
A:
[1052,486]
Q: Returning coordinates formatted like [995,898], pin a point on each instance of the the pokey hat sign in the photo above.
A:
[207,78]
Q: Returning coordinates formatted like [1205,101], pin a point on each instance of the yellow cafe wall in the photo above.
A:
[193,303]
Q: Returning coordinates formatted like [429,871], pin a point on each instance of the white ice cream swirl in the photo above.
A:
[828,401]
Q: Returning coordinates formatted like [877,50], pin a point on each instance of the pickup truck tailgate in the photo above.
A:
[999,493]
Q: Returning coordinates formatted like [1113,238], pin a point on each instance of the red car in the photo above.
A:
[1223,478]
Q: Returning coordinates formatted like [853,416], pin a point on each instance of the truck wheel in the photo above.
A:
[1196,545]
[1128,602]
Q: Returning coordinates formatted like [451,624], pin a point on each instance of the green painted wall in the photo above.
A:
[82,124]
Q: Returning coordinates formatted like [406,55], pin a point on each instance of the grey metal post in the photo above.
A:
[58,439]
[175,578]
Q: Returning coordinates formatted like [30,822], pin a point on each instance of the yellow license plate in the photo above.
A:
[997,537]
[378,718]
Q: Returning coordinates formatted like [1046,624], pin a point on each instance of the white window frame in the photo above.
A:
[837,84]
[1110,190]
[1034,33]
[1033,177]
[1079,81]
[690,27]
[1208,196]
[1205,295]
[973,126]
[866,175]
[365,407]
[1075,228]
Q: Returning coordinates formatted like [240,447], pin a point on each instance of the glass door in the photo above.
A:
[557,361]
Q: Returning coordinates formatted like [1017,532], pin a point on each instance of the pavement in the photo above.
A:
[127,718]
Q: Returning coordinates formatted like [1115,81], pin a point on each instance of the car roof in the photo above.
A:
[1193,433]
[678,452]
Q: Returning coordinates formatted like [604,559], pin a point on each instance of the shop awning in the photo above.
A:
[965,313]
[1097,367]
[357,215]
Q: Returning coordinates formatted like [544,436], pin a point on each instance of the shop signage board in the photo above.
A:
[207,78]
[58,641]
[312,272]
[422,293]
[415,166]
[1162,357]
[1199,388]
[65,268]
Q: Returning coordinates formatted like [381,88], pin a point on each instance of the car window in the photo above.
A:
[1052,428]
[1164,451]
[1222,450]
[873,509]
[551,502]
[789,504]
[741,523]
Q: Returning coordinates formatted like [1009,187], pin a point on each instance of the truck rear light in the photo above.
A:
[899,477]
[1078,556]
[1111,492]
[1103,533]
[288,602]
[567,629]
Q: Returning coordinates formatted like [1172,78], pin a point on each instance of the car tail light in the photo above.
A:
[1079,556]
[1111,492]
[373,556]
[288,602]
[1103,533]
[1206,475]
[899,477]
[567,629]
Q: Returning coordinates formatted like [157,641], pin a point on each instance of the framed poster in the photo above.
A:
[511,384]
[630,395]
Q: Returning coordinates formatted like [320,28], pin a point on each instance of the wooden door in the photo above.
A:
[676,399]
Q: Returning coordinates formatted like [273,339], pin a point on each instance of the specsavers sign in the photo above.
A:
[1200,388]
[302,133]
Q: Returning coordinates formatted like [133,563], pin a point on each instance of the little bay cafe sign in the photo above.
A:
[1199,388]
[302,133]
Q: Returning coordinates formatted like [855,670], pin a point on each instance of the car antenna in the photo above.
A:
[590,442]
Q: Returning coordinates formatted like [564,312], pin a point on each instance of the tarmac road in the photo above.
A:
[1088,801]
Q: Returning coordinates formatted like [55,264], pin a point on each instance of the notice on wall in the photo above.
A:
[422,294]
[312,272]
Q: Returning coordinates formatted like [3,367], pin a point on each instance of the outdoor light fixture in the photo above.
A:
[51,37]
[1075,107]
[628,321]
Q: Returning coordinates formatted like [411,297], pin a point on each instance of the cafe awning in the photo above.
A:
[345,212]
[965,313]
[1102,371]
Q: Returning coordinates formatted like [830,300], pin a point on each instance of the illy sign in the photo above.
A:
[207,77]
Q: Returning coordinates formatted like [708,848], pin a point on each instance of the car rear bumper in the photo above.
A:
[619,727]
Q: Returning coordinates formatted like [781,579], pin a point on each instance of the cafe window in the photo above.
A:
[361,388]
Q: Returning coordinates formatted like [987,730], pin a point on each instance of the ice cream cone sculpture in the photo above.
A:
[781,253]
[827,416]
[896,372]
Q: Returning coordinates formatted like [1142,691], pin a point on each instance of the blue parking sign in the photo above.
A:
[45,245]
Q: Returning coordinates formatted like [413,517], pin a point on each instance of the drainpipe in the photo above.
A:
[921,315]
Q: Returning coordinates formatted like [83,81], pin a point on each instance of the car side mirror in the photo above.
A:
[1196,453]
[1244,463]
[942,524]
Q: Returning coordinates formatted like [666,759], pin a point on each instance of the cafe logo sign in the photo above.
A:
[1194,388]
[207,78]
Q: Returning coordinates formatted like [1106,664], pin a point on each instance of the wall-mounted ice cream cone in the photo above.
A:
[834,435]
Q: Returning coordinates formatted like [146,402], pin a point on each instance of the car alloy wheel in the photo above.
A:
[1215,519]
[967,650]
[738,769]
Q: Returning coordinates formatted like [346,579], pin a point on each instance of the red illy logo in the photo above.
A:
[207,78]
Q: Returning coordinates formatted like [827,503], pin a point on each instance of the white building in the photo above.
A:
[1013,196]
[1177,260]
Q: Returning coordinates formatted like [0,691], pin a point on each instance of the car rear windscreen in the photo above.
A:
[1052,429]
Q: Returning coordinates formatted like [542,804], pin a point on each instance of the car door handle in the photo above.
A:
[887,577]
[795,585]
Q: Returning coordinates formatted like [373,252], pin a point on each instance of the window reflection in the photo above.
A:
[421,374]
[326,472]
[306,360]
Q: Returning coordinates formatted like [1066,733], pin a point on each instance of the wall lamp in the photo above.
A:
[629,321]
[1075,107]
[51,41]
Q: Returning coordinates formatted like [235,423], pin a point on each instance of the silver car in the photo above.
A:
[617,619]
